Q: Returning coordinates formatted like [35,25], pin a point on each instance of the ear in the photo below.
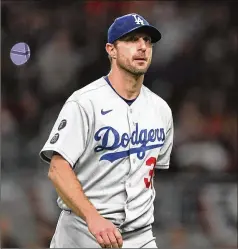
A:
[110,48]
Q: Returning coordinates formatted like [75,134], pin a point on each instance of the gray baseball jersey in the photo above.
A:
[113,149]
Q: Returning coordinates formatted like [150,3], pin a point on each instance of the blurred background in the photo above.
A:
[193,69]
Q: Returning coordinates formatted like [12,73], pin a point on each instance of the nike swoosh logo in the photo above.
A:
[105,112]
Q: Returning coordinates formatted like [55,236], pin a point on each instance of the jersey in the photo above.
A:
[113,149]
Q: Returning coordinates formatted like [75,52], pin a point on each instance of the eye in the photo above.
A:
[147,39]
[132,38]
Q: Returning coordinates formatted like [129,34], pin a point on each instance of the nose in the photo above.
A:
[142,44]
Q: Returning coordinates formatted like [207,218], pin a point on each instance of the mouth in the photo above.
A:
[140,59]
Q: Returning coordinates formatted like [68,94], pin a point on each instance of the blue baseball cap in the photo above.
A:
[126,24]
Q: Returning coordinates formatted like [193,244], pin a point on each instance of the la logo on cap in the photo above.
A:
[138,20]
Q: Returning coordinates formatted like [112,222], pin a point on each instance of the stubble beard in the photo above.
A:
[131,69]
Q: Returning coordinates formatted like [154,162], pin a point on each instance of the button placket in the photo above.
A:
[128,184]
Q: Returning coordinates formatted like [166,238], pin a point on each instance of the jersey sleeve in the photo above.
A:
[165,152]
[68,136]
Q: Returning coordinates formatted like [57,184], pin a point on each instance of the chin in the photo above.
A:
[135,70]
[139,71]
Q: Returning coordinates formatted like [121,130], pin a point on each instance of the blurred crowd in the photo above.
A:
[193,69]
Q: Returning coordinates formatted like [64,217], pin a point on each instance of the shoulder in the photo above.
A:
[89,92]
[157,101]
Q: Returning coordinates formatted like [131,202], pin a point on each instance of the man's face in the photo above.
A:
[134,53]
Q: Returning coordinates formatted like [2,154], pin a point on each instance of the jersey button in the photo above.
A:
[128,184]
[130,110]
[134,160]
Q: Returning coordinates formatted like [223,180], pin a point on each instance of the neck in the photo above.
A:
[126,85]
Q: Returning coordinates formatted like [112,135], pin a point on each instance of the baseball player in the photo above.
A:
[104,146]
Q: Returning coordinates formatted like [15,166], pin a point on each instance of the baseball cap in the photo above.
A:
[124,25]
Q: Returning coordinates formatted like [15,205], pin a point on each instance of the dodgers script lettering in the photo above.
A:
[140,138]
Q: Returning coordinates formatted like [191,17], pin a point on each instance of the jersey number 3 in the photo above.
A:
[151,163]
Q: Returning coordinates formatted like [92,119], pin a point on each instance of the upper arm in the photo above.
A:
[59,167]
[57,161]
[165,152]
[69,134]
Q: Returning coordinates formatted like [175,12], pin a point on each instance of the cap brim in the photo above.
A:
[148,29]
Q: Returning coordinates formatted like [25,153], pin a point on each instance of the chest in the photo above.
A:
[120,127]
